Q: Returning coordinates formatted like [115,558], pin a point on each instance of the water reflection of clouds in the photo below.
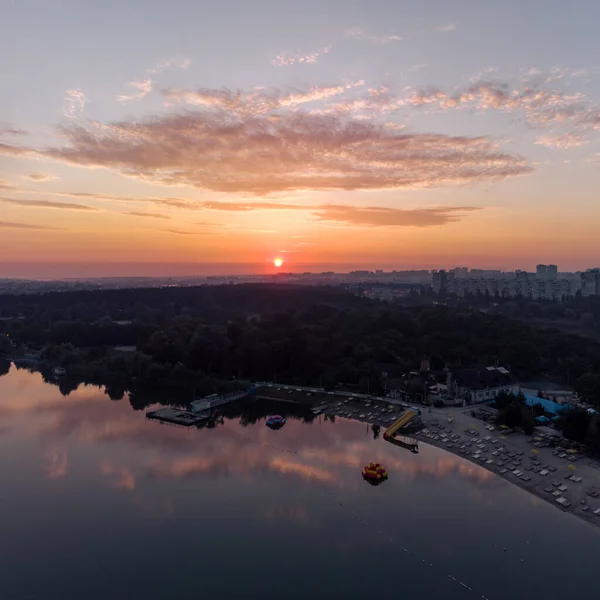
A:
[57,463]
[294,514]
[25,392]
[322,452]
[234,461]
[436,467]
[123,478]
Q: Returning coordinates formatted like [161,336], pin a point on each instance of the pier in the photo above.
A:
[176,416]
[199,410]
[210,402]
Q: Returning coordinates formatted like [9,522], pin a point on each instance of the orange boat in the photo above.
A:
[374,473]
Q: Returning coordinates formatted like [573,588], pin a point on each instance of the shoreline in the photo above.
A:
[545,472]
[536,484]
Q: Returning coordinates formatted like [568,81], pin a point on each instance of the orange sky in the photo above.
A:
[335,147]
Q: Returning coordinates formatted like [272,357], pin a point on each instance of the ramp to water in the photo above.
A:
[405,418]
[406,443]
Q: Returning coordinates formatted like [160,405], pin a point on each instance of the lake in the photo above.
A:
[98,502]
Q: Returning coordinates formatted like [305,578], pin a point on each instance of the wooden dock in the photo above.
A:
[175,415]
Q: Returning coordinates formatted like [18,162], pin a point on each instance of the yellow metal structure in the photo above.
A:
[405,418]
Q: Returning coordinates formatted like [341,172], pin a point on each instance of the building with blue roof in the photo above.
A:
[553,408]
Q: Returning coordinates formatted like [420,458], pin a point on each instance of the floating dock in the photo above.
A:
[406,443]
[176,415]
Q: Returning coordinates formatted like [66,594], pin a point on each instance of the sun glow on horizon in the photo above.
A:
[278,262]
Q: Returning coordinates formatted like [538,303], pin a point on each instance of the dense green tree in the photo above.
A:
[291,333]
[6,345]
[575,424]
[4,366]
[588,388]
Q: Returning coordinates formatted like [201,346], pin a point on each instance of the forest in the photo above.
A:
[324,336]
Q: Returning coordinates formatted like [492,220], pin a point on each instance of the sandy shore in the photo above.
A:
[552,477]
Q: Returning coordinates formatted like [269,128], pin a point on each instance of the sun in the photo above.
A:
[278,262]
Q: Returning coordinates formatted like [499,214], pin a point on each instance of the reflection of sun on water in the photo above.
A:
[278,262]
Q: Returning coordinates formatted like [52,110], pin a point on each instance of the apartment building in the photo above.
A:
[544,284]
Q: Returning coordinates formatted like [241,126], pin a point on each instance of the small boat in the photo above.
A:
[374,473]
[276,421]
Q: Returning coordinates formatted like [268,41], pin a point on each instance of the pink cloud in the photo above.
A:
[147,214]
[360,34]
[260,143]
[45,204]
[286,59]
[143,86]
[74,103]
[41,177]
[540,106]
[561,142]
[11,225]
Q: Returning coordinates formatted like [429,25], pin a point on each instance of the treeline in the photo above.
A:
[577,424]
[303,335]
[513,412]
[579,311]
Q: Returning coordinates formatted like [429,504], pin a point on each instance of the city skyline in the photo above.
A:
[197,137]
[125,271]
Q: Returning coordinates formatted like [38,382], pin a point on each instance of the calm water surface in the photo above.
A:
[97,502]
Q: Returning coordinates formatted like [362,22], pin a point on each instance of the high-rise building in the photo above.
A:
[441,279]
[590,282]
[552,271]
[460,271]
[541,270]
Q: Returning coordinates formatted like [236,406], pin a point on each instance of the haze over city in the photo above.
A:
[149,138]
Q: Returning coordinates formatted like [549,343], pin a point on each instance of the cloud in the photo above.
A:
[248,206]
[74,103]
[286,59]
[367,216]
[540,106]
[11,131]
[371,216]
[447,27]
[9,225]
[359,34]
[182,203]
[170,64]
[46,204]
[392,217]
[256,103]
[41,177]
[143,86]
[5,185]
[565,141]
[12,150]
[146,214]
[179,232]
[260,143]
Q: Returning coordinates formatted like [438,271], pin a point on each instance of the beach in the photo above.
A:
[566,479]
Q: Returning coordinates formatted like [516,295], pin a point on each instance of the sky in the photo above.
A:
[147,136]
